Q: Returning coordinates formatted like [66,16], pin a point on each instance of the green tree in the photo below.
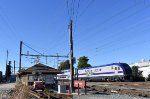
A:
[64,65]
[148,79]
[137,74]
[8,71]
[83,62]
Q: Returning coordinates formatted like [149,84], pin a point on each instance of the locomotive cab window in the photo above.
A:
[118,68]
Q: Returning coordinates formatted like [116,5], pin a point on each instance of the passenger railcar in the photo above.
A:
[112,72]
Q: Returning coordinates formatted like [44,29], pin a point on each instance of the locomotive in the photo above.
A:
[109,72]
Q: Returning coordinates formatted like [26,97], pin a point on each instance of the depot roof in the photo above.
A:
[39,69]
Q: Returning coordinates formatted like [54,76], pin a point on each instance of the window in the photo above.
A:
[99,69]
[96,70]
[112,67]
[115,68]
[118,68]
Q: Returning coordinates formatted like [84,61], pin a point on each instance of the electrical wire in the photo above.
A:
[10,26]
[123,47]
[68,9]
[76,18]
[107,20]
[106,44]
[119,34]
[32,48]
[87,7]
[123,19]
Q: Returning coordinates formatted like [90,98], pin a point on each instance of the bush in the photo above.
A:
[137,74]
[148,79]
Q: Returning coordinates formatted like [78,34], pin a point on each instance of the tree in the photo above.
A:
[148,79]
[83,62]
[64,65]
[137,74]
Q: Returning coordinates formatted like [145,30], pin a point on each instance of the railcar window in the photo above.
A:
[96,70]
[115,68]
[63,77]
[118,68]
[99,69]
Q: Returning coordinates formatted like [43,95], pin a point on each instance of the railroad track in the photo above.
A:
[44,95]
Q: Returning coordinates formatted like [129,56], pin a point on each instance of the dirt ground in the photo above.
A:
[130,88]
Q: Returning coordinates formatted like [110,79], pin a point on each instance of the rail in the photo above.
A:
[48,95]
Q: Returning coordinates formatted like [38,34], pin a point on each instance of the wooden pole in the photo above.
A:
[71,60]
[20,56]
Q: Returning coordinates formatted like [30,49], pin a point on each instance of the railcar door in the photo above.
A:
[116,71]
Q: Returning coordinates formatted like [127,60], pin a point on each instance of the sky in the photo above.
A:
[106,31]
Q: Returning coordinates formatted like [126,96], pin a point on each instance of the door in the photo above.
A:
[116,71]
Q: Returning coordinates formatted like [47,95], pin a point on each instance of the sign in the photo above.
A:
[80,83]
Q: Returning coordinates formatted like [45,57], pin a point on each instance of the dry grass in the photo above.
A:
[20,92]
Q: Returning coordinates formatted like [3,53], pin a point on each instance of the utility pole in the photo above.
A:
[71,59]
[7,58]
[46,59]
[14,66]
[20,56]
[57,60]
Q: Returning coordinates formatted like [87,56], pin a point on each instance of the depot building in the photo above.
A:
[38,72]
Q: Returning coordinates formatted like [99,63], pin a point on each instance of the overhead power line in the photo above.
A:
[76,18]
[119,34]
[108,19]
[68,8]
[32,48]
[123,19]
[123,47]
[10,26]
[89,4]
[73,7]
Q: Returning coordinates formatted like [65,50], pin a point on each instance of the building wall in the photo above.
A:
[146,71]
[144,65]
[24,79]
[48,78]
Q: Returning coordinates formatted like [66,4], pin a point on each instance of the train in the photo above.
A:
[107,72]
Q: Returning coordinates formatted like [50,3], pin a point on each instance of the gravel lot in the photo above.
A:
[5,89]
[116,90]
[111,96]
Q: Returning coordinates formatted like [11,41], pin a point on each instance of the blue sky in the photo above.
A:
[104,30]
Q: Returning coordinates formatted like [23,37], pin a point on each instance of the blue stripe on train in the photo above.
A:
[103,73]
